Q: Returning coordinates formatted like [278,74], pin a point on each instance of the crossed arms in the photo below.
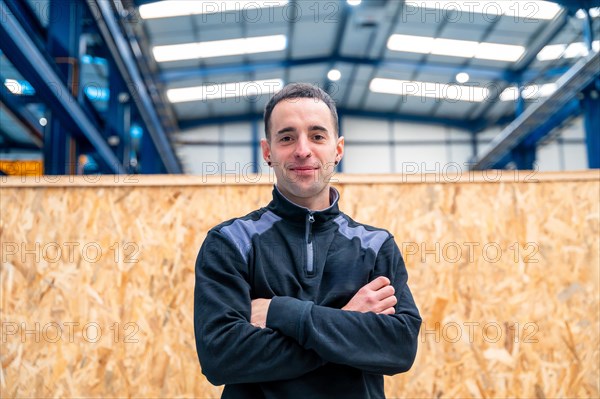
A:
[376,331]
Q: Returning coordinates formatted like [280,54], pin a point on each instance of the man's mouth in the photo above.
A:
[303,170]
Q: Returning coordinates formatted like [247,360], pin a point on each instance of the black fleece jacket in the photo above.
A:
[310,263]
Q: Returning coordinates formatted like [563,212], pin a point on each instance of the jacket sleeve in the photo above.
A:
[230,349]
[380,344]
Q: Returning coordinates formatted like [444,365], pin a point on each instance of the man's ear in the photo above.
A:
[339,148]
[266,150]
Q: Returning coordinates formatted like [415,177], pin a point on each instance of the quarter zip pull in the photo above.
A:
[309,246]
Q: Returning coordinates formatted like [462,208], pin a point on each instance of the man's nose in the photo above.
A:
[303,148]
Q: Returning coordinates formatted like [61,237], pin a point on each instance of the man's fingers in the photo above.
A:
[388,311]
[378,283]
[385,292]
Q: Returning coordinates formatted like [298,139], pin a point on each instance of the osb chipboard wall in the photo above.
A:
[97,282]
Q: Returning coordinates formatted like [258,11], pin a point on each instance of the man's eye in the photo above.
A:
[286,138]
[319,137]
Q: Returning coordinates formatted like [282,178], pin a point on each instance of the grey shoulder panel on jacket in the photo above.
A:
[369,239]
[241,231]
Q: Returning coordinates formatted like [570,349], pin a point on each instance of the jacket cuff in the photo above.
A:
[288,316]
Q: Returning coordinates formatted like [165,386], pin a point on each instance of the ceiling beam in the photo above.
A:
[191,73]
[568,86]
[36,68]
[342,112]
[122,54]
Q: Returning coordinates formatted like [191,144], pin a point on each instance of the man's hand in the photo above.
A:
[258,313]
[376,296]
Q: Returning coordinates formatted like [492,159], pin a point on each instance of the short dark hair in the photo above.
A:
[299,90]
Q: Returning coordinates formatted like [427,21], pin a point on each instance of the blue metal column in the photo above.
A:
[64,30]
[34,65]
[118,115]
[591,108]
[150,162]
[523,155]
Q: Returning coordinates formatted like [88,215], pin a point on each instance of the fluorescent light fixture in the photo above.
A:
[226,90]
[354,2]
[219,48]
[594,13]
[175,8]
[530,92]
[455,48]
[19,87]
[573,50]
[551,52]
[518,9]
[462,77]
[410,44]
[429,89]
[334,75]
[499,52]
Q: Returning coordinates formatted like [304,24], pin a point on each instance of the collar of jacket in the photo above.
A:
[290,211]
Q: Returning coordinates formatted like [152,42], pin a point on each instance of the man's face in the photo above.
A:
[303,149]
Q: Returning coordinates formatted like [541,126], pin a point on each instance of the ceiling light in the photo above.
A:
[43,121]
[575,50]
[354,2]
[499,52]
[334,75]
[410,44]
[429,89]
[518,9]
[174,8]
[219,48]
[455,48]
[462,77]
[551,52]
[226,90]
[13,86]
[530,92]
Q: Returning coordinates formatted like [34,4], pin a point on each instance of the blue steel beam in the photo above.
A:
[263,66]
[591,107]
[524,154]
[568,86]
[520,72]
[63,45]
[36,68]
[122,54]
[345,112]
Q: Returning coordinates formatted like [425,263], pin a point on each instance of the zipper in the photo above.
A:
[310,219]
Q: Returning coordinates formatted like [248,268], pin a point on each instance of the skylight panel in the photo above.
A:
[219,48]
[519,9]
[455,48]
[530,92]
[175,8]
[226,90]
[573,50]
[429,89]
[499,52]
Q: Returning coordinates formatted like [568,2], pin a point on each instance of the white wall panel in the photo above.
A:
[367,159]
[575,156]
[356,130]
[548,157]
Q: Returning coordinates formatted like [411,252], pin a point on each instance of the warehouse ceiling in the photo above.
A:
[404,59]
[454,63]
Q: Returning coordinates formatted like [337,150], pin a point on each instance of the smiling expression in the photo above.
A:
[303,148]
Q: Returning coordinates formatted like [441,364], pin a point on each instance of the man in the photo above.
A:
[297,300]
